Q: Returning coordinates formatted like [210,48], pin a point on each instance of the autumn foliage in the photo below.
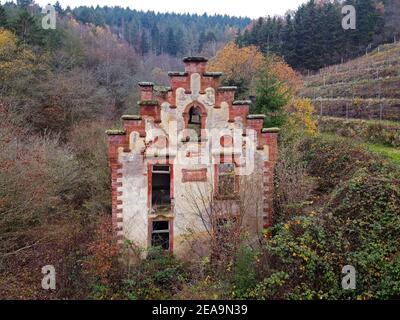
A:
[302,118]
[103,250]
[239,65]
[242,66]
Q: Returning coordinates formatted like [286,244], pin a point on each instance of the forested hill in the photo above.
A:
[159,33]
[312,36]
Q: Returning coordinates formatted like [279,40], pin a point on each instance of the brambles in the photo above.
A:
[354,220]
[39,217]
[160,276]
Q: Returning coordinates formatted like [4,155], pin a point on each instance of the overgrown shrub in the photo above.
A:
[301,119]
[160,276]
[331,161]
[244,272]
[292,182]
[102,264]
[380,132]
[88,142]
[40,223]
[355,222]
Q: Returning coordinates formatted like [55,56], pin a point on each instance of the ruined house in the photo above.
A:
[186,152]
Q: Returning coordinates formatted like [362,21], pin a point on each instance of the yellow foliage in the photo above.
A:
[8,44]
[285,74]
[301,116]
[238,64]
[357,102]
[16,60]
[243,65]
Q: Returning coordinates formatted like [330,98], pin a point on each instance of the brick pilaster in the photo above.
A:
[270,139]
[116,139]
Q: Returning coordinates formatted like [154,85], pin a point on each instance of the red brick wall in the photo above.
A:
[271,140]
[146,93]
[114,142]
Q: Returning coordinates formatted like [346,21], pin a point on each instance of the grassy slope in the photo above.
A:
[393,154]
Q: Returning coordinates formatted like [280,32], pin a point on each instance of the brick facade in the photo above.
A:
[138,155]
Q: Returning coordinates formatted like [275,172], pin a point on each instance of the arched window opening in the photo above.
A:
[195,120]
[195,115]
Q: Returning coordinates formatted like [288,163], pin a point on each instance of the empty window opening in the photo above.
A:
[161,188]
[195,116]
[195,122]
[160,234]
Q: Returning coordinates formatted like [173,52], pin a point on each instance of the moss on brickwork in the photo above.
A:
[241,102]
[162,89]
[115,132]
[148,103]
[177,74]
[270,130]
[131,117]
[227,88]
[256,116]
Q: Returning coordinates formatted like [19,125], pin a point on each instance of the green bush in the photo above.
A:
[331,160]
[355,220]
[159,276]
[244,275]
[382,132]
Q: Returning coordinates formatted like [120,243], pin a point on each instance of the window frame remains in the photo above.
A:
[154,230]
[227,171]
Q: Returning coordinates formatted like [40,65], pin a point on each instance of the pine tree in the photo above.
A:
[172,43]
[144,44]
[271,97]
[180,48]
[155,40]
[3,17]
[313,37]
[24,3]
[366,20]
[58,8]
[202,40]
[288,39]
[392,20]
[27,28]
[332,33]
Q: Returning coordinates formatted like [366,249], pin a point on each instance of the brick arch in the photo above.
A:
[203,114]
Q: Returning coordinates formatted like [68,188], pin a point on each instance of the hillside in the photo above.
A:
[364,88]
[69,191]
[312,37]
[158,33]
